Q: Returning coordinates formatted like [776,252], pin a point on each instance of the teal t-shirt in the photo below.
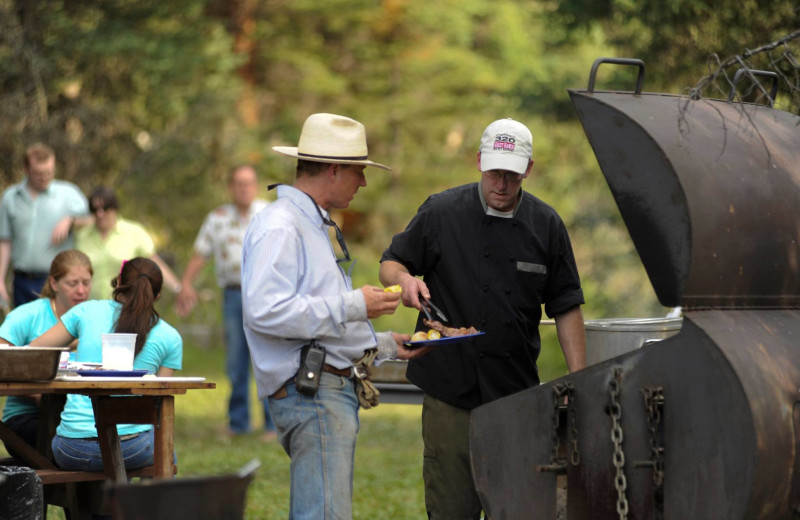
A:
[87,321]
[22,325]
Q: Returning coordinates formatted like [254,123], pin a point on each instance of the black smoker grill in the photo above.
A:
[704,424]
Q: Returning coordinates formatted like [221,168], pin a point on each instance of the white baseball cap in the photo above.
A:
[506,145]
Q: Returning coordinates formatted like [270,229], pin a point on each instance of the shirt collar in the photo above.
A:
[24,188]
[520,198]
[304,202]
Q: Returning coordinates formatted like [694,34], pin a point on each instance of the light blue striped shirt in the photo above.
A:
[294,291]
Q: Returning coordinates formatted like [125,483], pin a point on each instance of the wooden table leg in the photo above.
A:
[110,450]
[50,408]
[164,449]
[156,410]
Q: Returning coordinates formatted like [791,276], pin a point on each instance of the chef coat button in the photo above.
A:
[508,291]
[486,254]
[485,288]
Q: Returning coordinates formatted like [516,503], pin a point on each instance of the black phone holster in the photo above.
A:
[312,359]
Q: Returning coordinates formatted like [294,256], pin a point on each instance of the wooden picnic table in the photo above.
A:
[116,400]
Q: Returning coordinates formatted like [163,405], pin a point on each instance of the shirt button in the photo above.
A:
[481,354]
[483,322]
[485,288]
[508,323]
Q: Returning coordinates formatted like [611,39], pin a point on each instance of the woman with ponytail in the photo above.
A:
[159,350]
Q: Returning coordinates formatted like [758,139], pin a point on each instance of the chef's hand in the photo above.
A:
[412,288]
[379,302]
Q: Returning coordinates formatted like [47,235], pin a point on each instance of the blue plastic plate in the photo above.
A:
[111,373]
[449,339]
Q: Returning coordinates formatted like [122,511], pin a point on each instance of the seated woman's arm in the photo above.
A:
[165,372]
[55,336]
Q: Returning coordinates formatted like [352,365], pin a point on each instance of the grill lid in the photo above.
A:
[709,190]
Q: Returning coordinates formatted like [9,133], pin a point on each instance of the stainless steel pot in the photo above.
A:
[608,338]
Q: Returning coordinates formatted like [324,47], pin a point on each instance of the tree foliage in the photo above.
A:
[681,40]
[158,99]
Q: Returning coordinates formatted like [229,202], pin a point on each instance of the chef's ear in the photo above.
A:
[527,170]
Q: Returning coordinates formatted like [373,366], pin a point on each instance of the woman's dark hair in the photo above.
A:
[60,266]
[103,198]
[137,287]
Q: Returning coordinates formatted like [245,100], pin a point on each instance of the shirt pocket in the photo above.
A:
[531,278]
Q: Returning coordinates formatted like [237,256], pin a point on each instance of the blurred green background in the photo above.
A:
[157,100]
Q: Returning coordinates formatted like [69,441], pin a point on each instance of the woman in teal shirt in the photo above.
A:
[68,284]
[159,350]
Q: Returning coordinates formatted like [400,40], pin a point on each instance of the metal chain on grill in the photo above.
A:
[558,391]
[572,411]
[654,403]
[620,482]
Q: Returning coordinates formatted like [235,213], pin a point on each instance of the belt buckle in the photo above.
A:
[360,372]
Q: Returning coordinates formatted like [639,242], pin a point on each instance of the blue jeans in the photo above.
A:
[25,425]
[237,365]
[27,289]
[84,454]
[319,435]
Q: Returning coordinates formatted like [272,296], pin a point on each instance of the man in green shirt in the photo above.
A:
[37,216]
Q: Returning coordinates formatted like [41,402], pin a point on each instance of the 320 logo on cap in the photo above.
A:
[504,142]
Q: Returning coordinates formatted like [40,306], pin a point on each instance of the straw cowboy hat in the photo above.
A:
[332,139]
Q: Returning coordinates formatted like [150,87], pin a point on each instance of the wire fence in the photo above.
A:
[768,74]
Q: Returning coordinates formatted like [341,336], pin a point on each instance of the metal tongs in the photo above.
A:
[427,303]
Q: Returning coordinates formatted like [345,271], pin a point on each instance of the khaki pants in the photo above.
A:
[449,488]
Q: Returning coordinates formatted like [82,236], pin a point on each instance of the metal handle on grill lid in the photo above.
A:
[753,73]
[618,61]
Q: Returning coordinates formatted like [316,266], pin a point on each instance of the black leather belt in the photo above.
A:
[343,372]
[281,392]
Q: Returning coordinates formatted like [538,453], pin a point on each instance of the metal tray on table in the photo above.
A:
[29,363]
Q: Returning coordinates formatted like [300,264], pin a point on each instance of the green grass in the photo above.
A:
[388,470]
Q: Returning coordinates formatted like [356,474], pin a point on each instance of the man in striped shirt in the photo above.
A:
[295,290]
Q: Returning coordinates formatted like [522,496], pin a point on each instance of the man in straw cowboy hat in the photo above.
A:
[297,298]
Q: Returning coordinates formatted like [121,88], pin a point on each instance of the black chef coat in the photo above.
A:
[492,273]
